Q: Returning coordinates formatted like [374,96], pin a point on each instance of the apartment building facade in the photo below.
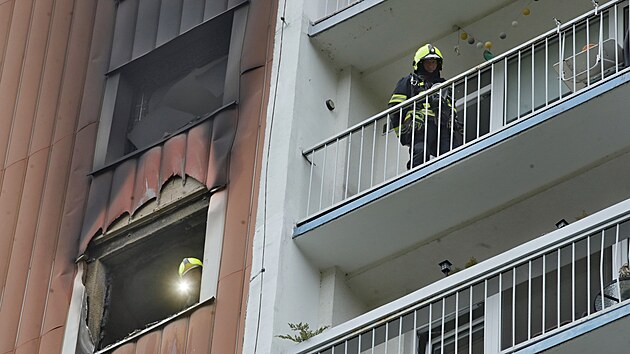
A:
[131,137]
[527,218]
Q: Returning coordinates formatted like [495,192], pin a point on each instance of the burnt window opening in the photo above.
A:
[132,280]
[170,87]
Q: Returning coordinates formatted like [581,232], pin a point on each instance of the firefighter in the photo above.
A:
[428,113]
[190,280]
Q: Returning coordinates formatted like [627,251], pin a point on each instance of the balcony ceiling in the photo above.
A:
[395,26]
[380,41]
[571,165]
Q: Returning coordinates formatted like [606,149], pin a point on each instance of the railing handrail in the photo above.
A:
[518,255]
[452,80]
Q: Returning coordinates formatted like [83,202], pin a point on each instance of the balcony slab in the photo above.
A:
[586,133]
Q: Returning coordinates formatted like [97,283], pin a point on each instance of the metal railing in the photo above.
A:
[509,88]
[505,303]
[328,8]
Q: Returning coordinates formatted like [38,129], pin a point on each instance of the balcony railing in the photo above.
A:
[511,87]
[328,8]
[506,303]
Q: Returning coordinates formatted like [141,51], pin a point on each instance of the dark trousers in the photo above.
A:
[422,150]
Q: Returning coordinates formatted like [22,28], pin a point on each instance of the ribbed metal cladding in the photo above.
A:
[156,22]
[48,55]
[54,55]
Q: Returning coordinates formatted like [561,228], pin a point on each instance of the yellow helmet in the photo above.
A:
[188,264]
[427,51]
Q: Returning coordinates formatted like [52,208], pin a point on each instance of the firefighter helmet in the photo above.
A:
[427,51]
[187,264]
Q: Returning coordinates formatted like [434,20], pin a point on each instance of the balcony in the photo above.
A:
[545,138]
[528,299]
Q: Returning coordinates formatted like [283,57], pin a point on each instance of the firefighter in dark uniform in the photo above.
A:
[428,113]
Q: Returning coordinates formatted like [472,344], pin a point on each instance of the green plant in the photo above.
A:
[303,332]
[471,262]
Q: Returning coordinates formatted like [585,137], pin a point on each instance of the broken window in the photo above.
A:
[132,278]
[168,88]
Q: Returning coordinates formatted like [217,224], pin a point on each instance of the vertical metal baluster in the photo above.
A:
[505,90]
[546,71]
[470,320]
[345,347]
[321,187]
[465,104]
[386,335]
[334,184]
[415,328]
[544,286]
[430,324]
[373,157]
[588,275]
[573,59]
[359,344]
[518,87]
[485,307]
[438,120]
[426,130]
[533,80]
[400,118]
[348,164]
[413,134]
[360,172]
[456,318]
[400,323]
[373,339]
[310,184]
[558,286]
[588,53]
[387,118]
[616,39]
[513,306]
[452,132]
[442,326]
[491,94]
[560,57]
[500,305]
[601,43]
[478,101]
[572,281]
[601,270]
[529,300]
[615,259]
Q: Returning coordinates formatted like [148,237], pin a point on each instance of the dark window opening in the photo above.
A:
[133,280]
[170,87]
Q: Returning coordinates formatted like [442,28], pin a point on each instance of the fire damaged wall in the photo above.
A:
[55,55]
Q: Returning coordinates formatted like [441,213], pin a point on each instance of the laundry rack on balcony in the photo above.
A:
[592,63]
[589,64]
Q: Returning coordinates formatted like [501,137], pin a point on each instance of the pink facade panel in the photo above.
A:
[11,71]
[29,87]
[149,343]
[197,150]
[147,185]
[173,158]
[121,191]
[55,56]
[200,330]
[52,75]
[42,258]
[174,336]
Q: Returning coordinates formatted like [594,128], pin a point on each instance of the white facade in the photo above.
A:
[326,260]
